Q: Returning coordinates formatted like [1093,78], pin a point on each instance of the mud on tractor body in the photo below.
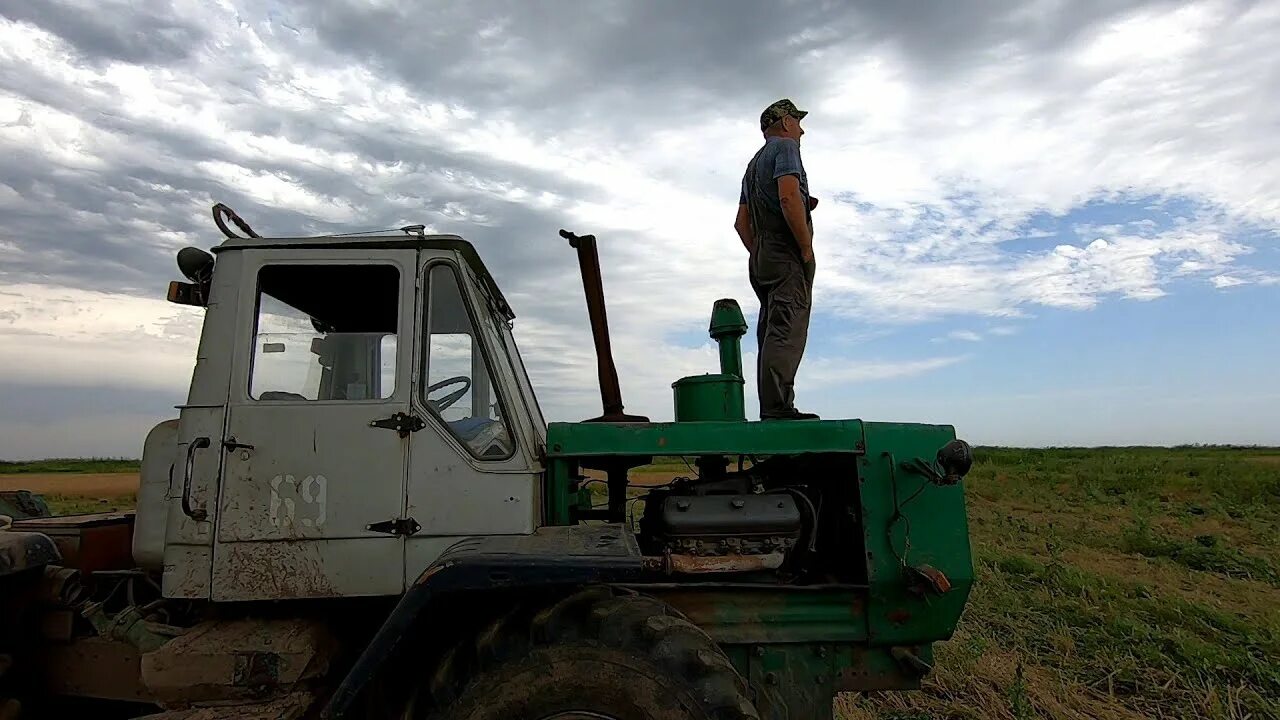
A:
[361,513]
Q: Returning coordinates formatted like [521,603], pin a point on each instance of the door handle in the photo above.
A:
[197,514]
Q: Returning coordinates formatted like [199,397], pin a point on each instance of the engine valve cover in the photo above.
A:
[714,517]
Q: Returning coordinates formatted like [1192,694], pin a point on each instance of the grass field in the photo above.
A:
[1112,583]
[69,465]
[75,485]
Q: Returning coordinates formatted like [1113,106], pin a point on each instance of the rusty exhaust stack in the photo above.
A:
[592,284]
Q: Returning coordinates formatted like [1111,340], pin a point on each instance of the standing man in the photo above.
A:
[776,227]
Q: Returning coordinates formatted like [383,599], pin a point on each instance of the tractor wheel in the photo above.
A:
[592,656]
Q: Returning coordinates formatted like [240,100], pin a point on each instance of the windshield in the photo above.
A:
[503,328]
[522,377]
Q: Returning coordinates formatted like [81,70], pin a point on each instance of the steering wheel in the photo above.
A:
[443,403]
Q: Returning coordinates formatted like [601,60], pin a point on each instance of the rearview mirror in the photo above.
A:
[197,266]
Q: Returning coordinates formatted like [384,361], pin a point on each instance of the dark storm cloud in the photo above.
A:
[622,64]
[82,224]
[582,63]
[148,33]
[606,66]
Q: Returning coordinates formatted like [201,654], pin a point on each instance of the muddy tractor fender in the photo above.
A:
[552,556]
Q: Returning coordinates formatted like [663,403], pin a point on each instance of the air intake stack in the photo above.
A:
[717,396]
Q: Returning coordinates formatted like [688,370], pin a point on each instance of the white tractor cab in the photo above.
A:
[290,474]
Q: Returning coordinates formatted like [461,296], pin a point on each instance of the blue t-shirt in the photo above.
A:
[779,156]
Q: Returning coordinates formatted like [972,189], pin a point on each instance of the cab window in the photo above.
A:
[325,332]
[459,387]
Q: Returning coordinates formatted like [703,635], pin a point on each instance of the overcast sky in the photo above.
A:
[1049,222]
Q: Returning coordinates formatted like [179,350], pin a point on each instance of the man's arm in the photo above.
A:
[794,210]
[743,225]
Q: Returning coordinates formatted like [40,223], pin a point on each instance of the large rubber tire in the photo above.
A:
[593,655]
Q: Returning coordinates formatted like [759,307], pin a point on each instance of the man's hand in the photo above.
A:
[742,224]
[796,213]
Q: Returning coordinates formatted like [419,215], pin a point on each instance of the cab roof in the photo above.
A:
[453,243]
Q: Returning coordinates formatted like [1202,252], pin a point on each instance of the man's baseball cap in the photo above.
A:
[779,110]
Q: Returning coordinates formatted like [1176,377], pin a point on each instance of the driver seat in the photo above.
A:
[468,428]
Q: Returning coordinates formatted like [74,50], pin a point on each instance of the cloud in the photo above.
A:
[958,150]
[1226,281]
[91,339]
[960,335]
[832,371]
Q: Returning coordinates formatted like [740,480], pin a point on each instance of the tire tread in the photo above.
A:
[636,624]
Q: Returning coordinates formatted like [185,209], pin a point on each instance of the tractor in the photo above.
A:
[360,513]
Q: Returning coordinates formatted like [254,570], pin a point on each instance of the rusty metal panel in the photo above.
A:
[724,563]
[230,660]
[754,614]
[92,667]
[91,542]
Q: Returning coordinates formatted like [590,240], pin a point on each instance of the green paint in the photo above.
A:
[570,440]
[929,527]
[766,614]
[800,680]
[573,445]
[709,397]
[797,646]
[793,680]
[718,396]
[727,328]
[558,496]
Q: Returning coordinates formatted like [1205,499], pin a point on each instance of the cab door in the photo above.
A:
[472,468]
[315,445]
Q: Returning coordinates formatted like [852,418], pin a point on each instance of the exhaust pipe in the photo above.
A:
[592,284]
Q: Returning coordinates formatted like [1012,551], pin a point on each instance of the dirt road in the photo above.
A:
[93,485]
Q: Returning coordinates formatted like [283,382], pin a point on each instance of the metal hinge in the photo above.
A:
[402,423]
[402,526]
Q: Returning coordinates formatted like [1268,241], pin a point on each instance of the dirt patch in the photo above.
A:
[94,485]
[1265,460]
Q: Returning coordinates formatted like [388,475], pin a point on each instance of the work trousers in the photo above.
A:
[784,285]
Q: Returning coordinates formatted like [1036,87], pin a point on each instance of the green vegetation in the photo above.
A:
[1113,583]
[76,505]
[70,465]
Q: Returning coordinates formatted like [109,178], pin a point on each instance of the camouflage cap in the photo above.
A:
[779,110]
